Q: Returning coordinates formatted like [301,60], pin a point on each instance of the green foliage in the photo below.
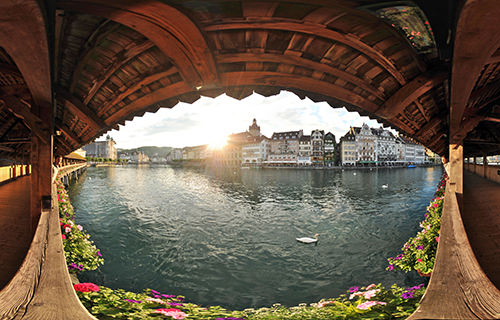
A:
[392,303]
[81,253]
[419,252]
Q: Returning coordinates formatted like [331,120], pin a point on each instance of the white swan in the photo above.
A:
[308,240]
[354,173]
[385,186]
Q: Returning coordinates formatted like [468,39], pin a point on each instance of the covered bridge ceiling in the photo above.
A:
[116,59]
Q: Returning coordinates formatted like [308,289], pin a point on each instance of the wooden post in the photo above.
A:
[485,165]
[41,178]
[457,167]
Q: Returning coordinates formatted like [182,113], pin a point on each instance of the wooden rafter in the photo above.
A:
[410,92]
[238,79]
[168,28]
[316,30]
[79,109]
[94,39]
[128,91]
[126,55]
[22,111]
[298,61]
[10,69]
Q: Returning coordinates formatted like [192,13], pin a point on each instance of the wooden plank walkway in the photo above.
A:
[15,234]
[41,289]
[481,218]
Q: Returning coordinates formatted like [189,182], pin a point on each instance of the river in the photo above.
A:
[229,238]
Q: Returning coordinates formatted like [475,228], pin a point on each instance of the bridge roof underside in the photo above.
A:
[115,60]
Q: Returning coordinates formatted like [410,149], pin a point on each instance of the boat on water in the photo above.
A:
[412,166]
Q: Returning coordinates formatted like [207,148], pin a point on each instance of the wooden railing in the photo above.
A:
[11,172]
[458,288]
[62,171]
[42,289]
[489,171]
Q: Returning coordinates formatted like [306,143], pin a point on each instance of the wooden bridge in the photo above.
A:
[70,70]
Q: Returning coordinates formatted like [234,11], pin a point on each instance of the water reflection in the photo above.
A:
[229,237]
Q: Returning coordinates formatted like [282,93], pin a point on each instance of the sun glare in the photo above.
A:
[217,142]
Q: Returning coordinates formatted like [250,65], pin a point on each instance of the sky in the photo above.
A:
[210,120]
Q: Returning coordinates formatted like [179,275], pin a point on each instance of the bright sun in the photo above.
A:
[217,142]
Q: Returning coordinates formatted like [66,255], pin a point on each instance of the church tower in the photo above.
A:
[254,129]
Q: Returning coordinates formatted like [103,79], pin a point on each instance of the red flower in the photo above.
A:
[437,239]
[86,287]
[63,236]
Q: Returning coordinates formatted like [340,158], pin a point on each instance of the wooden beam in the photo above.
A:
[302,62]
[315,30]
[125,92]
[21,110]
[168,28]
[79,109]
[466,127]
[10,70]
[457,167]
[101,32]
[126,55]
[23,34]
[491,119]
[240,79]
[7,149]
[411,92]
[476,40]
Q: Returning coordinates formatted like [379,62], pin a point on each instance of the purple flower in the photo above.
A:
[154,291]
[390,267]
[168,296]
[353,289]
[420,247]
[407,295]
[132,301]
[180,298]
[175,304]
[99,253]
[399,256]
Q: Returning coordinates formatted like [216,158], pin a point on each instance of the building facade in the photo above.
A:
[102,149]
[318,147]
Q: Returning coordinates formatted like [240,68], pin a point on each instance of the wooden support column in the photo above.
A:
[457,167]
[485,164]
[41,178]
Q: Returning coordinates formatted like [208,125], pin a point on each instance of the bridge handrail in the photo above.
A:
[458,288]
[41,288]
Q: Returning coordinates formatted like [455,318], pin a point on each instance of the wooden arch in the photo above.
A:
[345,55]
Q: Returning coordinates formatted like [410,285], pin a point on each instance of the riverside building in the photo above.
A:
[365,146]
[102,149]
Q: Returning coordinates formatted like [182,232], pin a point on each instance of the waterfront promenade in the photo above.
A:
[15,235]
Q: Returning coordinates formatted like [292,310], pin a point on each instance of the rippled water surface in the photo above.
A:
[229,239]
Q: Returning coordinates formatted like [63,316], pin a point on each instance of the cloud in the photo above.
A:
[212,118]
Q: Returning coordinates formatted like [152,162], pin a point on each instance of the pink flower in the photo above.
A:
[371,286]
[67,229]
[355,294]
[368,304]
[155,300]
[63,236]
[86,287]
[371,293]
[419,260]
[324,303]
[174,313]
[79,227]
[437,239]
